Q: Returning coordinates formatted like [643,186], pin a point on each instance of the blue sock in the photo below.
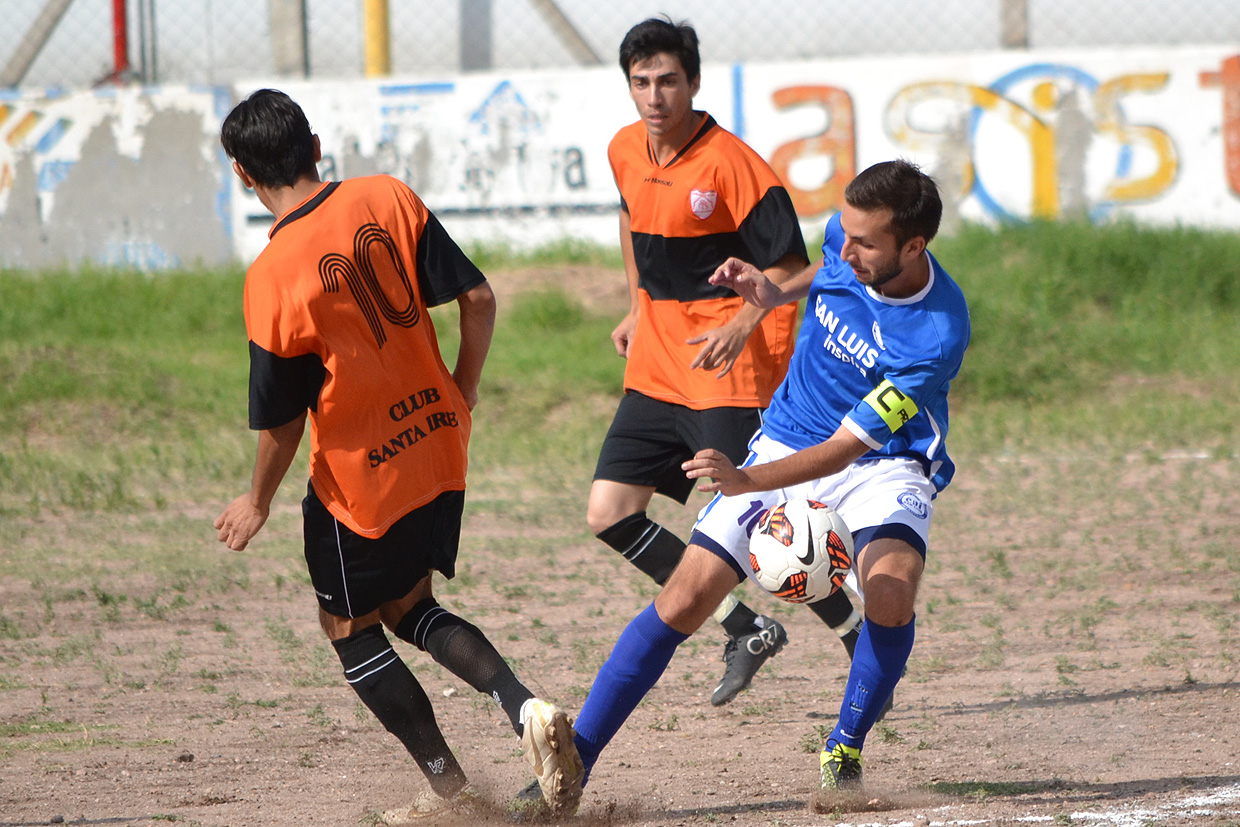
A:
[877,665]
[636,663]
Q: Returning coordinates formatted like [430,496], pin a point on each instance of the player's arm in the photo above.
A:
[622,336]
[757,287]
[721,346]
[477,324]
[244,516]
[720,475]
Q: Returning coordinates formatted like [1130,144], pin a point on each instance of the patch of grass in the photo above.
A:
[812,741]
[494,258]
[985,790]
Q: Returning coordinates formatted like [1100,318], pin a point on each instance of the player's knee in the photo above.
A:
[694,590]
[600,518]
[611,503]
[604,512]
[889,601]
[418,623]
[681,607]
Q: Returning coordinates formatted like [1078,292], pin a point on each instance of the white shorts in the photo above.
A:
[875,498]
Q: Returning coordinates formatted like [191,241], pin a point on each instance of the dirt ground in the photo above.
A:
[1076,662]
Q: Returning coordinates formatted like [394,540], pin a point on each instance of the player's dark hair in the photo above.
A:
[909,193]
[659,35]
[268,134]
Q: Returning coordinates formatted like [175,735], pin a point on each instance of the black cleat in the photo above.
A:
[744,656]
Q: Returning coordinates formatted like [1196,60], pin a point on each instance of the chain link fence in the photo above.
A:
[72,43]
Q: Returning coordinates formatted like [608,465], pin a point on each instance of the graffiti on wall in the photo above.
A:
[501,146]
[1042,141]
[119,178]
[1227,79]
[135,177]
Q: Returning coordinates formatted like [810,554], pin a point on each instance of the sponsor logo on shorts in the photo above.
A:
[323,595]
[913,504]
[437,766]
[703,203]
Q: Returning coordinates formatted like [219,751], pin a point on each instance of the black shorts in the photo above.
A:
[649,439]
[354,575]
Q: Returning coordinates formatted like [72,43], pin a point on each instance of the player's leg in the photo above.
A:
[889,568]
[646,647]
[616,513]
[641,455]
[753,639]
[429,537]
[351,582]
[388,689]
[640,449]
[838,612]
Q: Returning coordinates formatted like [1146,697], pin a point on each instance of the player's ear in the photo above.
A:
[318,150]
[246,180]
[914,247]
[695,85]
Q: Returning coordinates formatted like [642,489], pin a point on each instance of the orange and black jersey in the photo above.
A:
[716,198]
[336,311]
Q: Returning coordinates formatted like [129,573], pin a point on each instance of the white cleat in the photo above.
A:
[548,745]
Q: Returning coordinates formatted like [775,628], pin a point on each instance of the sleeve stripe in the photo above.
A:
[860,434]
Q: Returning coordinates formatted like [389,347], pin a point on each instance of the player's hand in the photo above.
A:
[750,283]
[718,473]
[468,393]
[622,336]
[239,522]
[720,347]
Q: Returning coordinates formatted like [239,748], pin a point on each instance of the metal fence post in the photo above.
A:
[289,45]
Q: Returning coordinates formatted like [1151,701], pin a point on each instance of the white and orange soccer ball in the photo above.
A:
[800,551]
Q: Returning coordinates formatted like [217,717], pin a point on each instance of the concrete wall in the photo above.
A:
[135,177]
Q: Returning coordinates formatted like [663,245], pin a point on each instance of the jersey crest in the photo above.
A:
[703,203]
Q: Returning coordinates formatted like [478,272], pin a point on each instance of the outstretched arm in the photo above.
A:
[244,516]
[758,289]
[721,346]
[477,310]
[720,475]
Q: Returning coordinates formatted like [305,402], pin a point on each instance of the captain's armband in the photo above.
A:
[891,405]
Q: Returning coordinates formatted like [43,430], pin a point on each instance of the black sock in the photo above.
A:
[837,611]
[383,682]
[741,621]
[460,647]
[645,544]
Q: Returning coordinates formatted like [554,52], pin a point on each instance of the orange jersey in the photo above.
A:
[336,312]
[716,198]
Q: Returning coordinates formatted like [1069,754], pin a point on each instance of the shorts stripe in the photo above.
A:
[894,531]
[344,580]
[700,539]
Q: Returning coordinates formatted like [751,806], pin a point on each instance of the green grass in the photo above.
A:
[124,393]
[985,790]
[1099,334]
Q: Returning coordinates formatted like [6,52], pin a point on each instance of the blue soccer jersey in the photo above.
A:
[875,365]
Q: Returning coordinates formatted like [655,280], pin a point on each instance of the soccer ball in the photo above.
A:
[801,551]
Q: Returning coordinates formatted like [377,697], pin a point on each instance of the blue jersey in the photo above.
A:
[875,365]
